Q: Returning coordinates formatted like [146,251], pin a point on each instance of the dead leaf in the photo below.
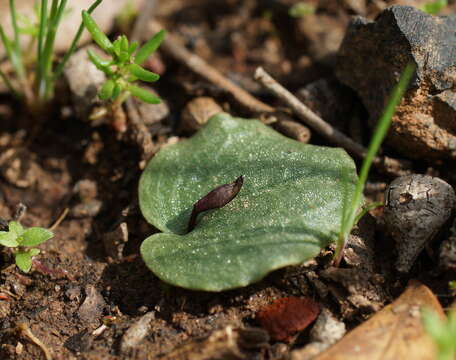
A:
[286,316]
[396,332]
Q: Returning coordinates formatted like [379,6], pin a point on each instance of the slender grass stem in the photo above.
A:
[42,28]
[17,61]
[61,65]
[379,134]
[45,84]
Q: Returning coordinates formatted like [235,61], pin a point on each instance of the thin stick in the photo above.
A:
[59,219]
[391,166]
[25,330]
[139,132]
[172,47]
[308,116]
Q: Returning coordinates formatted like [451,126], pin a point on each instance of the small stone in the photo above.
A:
[197,112]
[416,208]
[137,332]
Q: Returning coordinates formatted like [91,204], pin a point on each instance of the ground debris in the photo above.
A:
[326,331]
[92,308]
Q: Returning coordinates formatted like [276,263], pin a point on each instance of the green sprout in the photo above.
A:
[301,9]
[40,89]
[124,67]
[442,332]
[434,7]
[24,242]
[349,213]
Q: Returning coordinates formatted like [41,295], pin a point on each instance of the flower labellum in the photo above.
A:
[215,199]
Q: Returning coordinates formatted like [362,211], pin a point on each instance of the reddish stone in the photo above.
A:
[286,316]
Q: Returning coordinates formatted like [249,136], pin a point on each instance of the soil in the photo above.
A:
[58,161]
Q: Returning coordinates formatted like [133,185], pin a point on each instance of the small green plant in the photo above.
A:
[124,67]
[443,332]
[35,84]
[434,7]
[24,242]
[350,209]
[301,9]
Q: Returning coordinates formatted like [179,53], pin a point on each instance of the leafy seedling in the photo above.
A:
[288,209]
[123,69]
[352,204]
[24,242]
[443,332]
[434,7]
[33,79]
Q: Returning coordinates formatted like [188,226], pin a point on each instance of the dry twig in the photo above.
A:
[392,166]
[173,48]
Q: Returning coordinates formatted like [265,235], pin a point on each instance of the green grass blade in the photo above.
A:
[42,28]
[71,50]
[379,134]
[19,66]
[45,83]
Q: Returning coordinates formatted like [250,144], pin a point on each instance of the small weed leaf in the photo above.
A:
[35,236]
[15,228]
[8,239]
[23,260]
[289,206]
[149,47]
[97,35]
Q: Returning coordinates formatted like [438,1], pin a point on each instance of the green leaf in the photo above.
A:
[35,235]
[434,7]
[117,90]
[16,228]
[149,47]
[287,210]
[143,94]
[133,46]
[124,46]
[8,239]
[23,260]
[142,74]
[99,62]
[106,90]
[33,252]
[97,34]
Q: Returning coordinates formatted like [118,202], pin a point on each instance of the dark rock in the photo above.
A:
[371,59]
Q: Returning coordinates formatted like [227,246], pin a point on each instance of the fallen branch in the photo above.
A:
[174,49]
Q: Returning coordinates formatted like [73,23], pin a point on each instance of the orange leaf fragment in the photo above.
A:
[286,316]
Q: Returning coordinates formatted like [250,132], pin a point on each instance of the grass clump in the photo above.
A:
[34,75]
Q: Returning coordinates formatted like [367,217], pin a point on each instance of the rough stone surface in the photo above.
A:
[371,58]
[416,208]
